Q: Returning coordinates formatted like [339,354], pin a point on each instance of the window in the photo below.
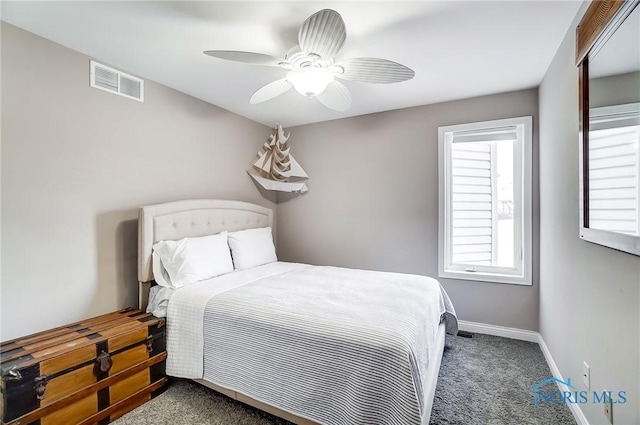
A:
[614,168]
[485,201]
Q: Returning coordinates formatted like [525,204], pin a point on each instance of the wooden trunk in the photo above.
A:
[93,371]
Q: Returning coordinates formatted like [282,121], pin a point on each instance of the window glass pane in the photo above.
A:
[471,202]
[505,208]
[482,203]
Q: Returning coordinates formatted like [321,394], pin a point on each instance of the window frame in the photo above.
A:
[521,274]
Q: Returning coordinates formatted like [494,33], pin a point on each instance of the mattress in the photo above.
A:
[334,345]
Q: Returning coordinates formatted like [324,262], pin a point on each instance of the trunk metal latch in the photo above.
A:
[103,363]
[40,386]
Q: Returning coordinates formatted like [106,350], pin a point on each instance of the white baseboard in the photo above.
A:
[495,330]
[575,409]
[531,336]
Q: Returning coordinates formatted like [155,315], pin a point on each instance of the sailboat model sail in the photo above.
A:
[275,168]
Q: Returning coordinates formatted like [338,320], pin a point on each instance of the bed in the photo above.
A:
[313,345]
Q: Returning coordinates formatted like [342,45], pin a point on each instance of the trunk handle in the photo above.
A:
[11,374]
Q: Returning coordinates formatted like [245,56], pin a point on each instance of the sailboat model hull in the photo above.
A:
[282,186]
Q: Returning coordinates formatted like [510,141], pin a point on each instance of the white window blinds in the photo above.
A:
[614,180]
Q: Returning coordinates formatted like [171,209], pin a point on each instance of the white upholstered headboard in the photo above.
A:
[191,218]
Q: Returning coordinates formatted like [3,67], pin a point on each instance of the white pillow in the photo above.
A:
[191,260]
[253,247]
[160,274]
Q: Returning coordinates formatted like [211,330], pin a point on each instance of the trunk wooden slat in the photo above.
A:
[92,371]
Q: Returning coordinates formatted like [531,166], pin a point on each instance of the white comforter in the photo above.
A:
[307,315]
[185,316]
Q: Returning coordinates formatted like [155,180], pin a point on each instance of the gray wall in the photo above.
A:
[614,90]
[373,200]
[589,294]
[77,163]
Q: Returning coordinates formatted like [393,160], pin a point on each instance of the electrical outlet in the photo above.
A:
[608,407]
[586,375]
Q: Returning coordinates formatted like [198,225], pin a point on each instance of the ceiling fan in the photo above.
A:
[312,67]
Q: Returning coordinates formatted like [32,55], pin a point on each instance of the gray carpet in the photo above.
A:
[487,380]
[483,380]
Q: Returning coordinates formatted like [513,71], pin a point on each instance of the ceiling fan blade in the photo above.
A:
[374,70]
[336,96]
[322,34]
[270,91]
[246,57]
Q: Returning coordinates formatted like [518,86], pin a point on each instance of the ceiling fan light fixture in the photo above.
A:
[310,81]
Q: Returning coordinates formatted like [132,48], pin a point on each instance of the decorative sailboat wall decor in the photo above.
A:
[276,169]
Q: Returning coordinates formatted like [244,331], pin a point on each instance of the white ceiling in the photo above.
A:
[621,53]
[458,49]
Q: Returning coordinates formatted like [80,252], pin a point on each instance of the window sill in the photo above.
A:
[485,277]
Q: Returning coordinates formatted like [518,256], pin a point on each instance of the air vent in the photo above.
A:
[114,81]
